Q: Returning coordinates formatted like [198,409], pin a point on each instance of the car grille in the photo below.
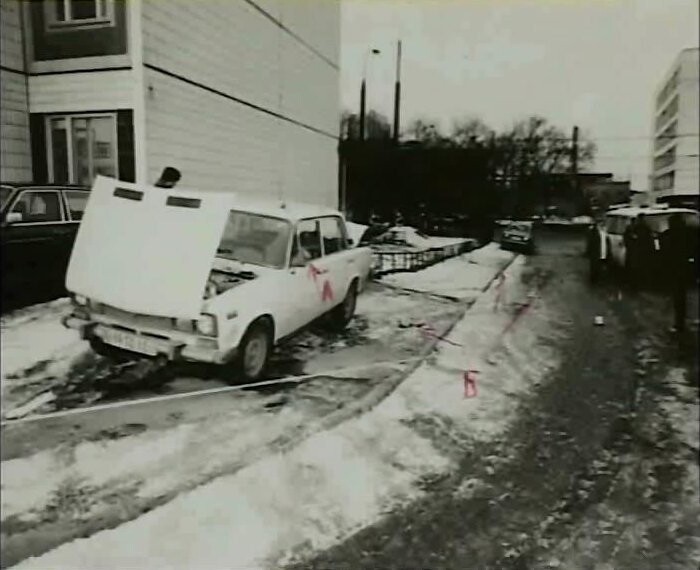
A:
[134,320]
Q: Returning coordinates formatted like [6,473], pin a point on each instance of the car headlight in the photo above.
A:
[206,325]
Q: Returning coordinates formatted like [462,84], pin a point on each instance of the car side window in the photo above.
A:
[76,201]
[36,207]
[333,236]
[309,236]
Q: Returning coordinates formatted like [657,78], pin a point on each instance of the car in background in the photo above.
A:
[222,280]
[518,235]
[38,227]
[405,236]
[618,219]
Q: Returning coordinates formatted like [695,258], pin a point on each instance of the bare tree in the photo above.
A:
[469,131]
[377,126]
[425,131]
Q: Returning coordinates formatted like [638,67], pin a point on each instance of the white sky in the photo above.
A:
[595,63]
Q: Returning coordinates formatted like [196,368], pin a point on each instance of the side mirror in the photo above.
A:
[13,217]
[351,243]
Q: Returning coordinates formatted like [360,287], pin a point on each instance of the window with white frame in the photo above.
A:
[79,147]
[72,13]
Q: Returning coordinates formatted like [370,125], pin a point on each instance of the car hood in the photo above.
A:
[147,250]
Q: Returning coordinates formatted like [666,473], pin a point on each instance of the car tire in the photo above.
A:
[341,315]
[253,353]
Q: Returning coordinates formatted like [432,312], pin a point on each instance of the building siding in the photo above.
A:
[15,150]
[233,148]
[237,102]
[81,91]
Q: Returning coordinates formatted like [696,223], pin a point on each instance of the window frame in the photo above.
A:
[66,204]
[18,196]
[343,234]
[316,219]
[69,117]
[52,24]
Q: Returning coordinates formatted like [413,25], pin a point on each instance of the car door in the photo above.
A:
[338,258]
[35,238]
[318,270]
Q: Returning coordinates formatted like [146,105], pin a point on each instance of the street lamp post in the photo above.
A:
[363,91]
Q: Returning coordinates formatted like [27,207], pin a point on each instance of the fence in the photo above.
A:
[385,262]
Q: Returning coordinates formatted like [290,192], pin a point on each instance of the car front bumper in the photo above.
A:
[512,242]
[173,350]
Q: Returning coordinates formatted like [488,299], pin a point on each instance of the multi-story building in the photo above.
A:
[239,95]
[676,141]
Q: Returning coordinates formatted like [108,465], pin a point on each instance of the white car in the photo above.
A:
[207,276]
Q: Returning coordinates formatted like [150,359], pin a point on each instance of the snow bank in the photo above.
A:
[36,335]
[35,348]
[461,277]
[338,481]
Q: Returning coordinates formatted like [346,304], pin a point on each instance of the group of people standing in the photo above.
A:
[653,260]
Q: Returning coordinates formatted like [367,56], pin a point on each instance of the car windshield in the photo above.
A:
[256,239]
[5,193]
[519,227]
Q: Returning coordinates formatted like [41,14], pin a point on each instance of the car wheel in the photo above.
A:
[253,352]
[342,314]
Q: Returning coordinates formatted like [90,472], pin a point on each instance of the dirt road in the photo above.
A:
[598,471]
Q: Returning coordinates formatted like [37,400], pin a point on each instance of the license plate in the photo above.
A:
[131,341]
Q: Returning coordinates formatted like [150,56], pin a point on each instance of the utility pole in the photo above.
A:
[363,92]
[363,102]
[574,165]
[397,94]
[574,152]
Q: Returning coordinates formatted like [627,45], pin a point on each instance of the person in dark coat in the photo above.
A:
[630,240]
[643,271]
[595,252]
[675,248]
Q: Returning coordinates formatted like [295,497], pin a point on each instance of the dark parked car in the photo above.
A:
[39,224]
[518,235]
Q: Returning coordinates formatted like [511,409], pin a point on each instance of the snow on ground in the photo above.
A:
[34,342]
[146,464]
[683,409]
[461,277]
[33,335]
[338,481]
[648,517]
